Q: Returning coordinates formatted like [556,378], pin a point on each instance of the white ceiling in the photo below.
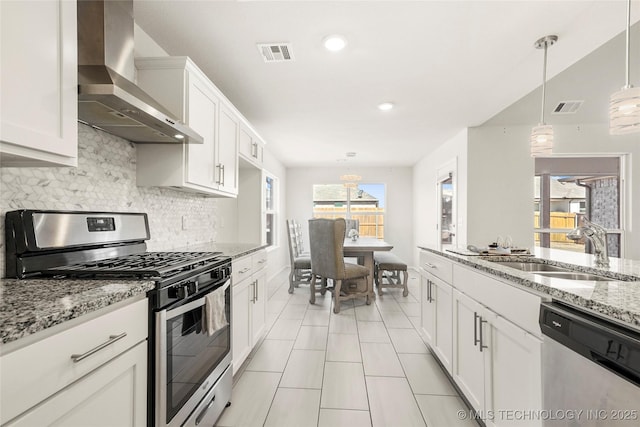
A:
[446,65]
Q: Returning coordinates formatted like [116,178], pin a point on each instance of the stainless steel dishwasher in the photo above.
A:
[590,370]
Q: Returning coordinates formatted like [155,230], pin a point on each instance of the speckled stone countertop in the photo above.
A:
[31,305]
[28,306]
[618,299]
[234,250]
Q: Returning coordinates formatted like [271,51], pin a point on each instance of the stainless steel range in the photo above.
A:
[189,362]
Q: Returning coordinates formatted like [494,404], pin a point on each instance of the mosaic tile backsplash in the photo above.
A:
[105,180]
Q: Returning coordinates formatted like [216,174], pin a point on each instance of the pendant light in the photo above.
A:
[542,135]
[624,105]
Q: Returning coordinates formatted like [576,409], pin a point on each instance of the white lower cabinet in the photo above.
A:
[249,305]
[485,332]
[437,321]
[113,395]
[516,374]
[497,365]
[470,357]
[259,307]
[241,328]
[93,373]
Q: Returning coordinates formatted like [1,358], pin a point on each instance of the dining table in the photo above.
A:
[363,249]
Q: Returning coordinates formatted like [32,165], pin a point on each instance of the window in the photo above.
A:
[270,210]
[364,203]
[566,189]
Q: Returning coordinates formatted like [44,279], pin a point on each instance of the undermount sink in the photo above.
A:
[530,266]
[570,275]
[554,271]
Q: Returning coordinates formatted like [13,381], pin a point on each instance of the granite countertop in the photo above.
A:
[28,306]
[233,250]
[615,299]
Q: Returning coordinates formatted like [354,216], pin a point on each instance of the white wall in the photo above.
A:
[500,185]
[425,193]
[398,207]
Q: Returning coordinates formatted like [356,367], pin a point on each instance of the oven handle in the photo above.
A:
[170,314]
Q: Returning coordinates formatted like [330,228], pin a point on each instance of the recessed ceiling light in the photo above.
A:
[334,43]
[178,136]
[386,106]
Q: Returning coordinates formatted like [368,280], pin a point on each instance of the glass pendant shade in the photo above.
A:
[624,111]
[541,140]
[351,184]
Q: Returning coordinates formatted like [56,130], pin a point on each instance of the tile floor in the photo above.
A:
[366,366]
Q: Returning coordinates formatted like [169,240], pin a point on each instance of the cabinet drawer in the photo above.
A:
[516,305]
[259,260]
[241,269]
[33,373]
[436,265]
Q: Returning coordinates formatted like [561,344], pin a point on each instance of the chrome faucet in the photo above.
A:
[598,237]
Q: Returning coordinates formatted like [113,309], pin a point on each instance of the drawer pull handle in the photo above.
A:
[112,338]
[428,264]
[262,261]
[244,270]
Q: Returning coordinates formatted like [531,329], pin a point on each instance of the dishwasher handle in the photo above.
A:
[616,368]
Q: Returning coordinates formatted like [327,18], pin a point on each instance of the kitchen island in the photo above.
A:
[481,317]
[618,299]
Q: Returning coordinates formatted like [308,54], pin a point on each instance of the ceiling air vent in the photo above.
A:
[567,107]
[275,52]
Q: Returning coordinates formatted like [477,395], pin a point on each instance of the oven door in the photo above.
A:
[188,360]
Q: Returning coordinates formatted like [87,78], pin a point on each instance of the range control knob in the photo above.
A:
[192,287]
[178,291]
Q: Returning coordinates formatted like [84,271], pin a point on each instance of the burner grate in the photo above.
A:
[144,265]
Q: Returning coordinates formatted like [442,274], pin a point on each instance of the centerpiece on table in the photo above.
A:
[353,234]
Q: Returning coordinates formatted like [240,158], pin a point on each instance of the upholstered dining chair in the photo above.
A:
[326,244]
[300,263]
[298,238]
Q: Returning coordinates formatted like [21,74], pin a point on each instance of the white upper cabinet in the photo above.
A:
[211,167]
[251,146]
[38,89]
[228,131]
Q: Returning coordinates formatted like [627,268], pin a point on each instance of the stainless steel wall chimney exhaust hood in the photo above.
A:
[107,97]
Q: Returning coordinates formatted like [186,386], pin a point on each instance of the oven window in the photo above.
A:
[192,355]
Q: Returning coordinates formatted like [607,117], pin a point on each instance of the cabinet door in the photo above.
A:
[428,308]
[241,326]
[202,111]
[468,360]
[250,147]
[442,294]
[259,307]
[229,127]
[39,87]
[113,395]
[515,372]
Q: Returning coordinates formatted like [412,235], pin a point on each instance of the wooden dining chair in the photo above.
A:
[326,244]
[300,263]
